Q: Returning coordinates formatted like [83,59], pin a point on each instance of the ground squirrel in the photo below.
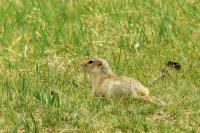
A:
[106,83]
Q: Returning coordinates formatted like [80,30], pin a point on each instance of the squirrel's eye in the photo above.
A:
[90,62]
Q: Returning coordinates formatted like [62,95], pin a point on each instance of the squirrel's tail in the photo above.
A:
[156,101]
[144,93]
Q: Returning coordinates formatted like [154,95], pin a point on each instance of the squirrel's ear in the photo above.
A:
[98,63]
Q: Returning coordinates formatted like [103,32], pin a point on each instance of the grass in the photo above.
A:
[43,89]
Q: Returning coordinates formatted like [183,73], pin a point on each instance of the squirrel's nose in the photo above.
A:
[83,64]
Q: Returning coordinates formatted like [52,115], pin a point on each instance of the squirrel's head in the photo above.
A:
[96,66]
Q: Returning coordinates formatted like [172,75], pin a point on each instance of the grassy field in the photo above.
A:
[43,89]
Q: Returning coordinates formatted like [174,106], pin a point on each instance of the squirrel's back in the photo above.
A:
[123,87]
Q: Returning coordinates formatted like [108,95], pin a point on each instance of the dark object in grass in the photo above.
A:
[53,93]
[174,64]
[164,71]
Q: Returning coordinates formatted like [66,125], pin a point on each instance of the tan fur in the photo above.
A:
[105,83]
